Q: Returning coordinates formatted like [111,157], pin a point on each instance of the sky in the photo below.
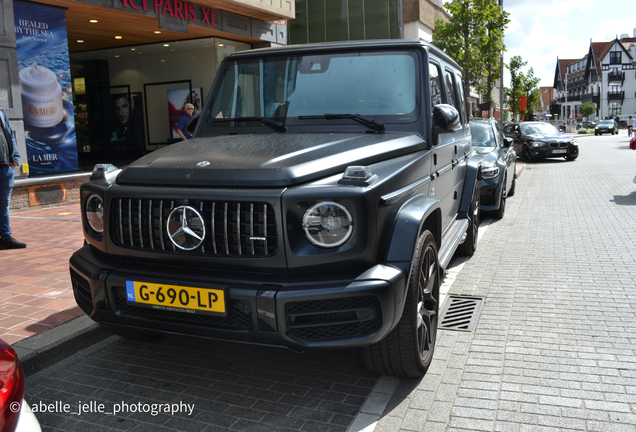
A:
[542,30]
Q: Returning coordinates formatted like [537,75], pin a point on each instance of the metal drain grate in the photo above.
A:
[460,314]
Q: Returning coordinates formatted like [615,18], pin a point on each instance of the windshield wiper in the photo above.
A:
[280,127]
[375,124]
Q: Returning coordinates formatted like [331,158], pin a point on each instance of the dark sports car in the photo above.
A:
[538,140]
[498,165]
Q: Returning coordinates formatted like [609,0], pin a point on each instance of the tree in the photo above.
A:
[474,39]
[520,85]
[587,109]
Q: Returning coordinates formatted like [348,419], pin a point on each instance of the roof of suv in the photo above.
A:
[346,46]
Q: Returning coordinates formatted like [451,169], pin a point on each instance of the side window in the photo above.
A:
[435,85]
[462,99]
[450,88]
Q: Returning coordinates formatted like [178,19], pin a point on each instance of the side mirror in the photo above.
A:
[508,142]
[446,117]
[192,124]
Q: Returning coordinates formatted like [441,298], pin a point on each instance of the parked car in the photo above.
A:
[498,165]
[326,188]
[539,140]
[584,125]
[15,415]
[606,126]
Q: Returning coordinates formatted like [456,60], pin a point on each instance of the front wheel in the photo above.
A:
[513,185]
[526,155]
[407,351]
[499,213]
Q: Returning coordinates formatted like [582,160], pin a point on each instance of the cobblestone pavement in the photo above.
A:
[554,348]
[211,386]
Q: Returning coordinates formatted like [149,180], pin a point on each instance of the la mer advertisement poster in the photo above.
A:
[45,84]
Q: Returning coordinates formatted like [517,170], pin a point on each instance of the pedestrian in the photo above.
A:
[630,125]
[9,160]
[180,128]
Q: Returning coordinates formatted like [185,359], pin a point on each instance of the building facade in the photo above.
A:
[130,64]
[606,76]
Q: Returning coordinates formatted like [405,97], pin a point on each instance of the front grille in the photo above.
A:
[559,145]
[239,314]
[233,228]
[333,318]
[82,292]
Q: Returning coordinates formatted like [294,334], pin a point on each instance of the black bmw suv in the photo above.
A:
[539,140]
[324,191]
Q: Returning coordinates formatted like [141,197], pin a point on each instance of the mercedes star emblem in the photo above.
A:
[186,228]
[203,164]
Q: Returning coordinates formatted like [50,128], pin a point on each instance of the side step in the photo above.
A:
[451,240]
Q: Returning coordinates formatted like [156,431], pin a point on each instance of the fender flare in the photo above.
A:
[418,213]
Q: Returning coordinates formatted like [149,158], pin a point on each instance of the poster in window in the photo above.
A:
[45,85]
[127,132]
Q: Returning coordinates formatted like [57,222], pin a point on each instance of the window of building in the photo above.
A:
[615,108]
[615,57]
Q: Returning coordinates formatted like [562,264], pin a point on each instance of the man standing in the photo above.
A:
[9,160]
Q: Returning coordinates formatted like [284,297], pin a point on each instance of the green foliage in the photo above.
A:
[587,108]
[474,39]
[522,84]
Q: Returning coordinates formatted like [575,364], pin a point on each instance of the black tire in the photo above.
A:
[407,351]
[499,213]
[571,158]
[470,243]
[513,185]
[525,154]
[135,335]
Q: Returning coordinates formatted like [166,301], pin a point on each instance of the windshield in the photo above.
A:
[607,122]
[482,135]
[288,89]
[533,128]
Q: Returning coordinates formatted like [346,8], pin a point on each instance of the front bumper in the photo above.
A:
[550,152]
[298,312]
[490,193]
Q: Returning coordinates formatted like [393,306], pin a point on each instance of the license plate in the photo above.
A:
[559,151]
[177,298]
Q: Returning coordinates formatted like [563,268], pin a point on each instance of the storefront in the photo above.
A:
[106,80]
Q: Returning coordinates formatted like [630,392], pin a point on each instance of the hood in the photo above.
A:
[264,160]
[560,137]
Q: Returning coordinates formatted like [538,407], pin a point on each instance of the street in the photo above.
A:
[554,348]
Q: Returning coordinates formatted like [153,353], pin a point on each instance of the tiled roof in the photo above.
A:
[563,67]
[599,50]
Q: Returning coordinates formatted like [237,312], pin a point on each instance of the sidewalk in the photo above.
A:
[35,287]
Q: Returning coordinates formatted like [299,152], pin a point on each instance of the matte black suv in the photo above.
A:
[325,190]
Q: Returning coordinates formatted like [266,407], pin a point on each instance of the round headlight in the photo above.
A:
[328,224]
[95,213]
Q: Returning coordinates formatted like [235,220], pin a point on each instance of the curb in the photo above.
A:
[44,349]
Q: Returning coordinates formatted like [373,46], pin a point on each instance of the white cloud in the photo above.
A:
[564,25]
